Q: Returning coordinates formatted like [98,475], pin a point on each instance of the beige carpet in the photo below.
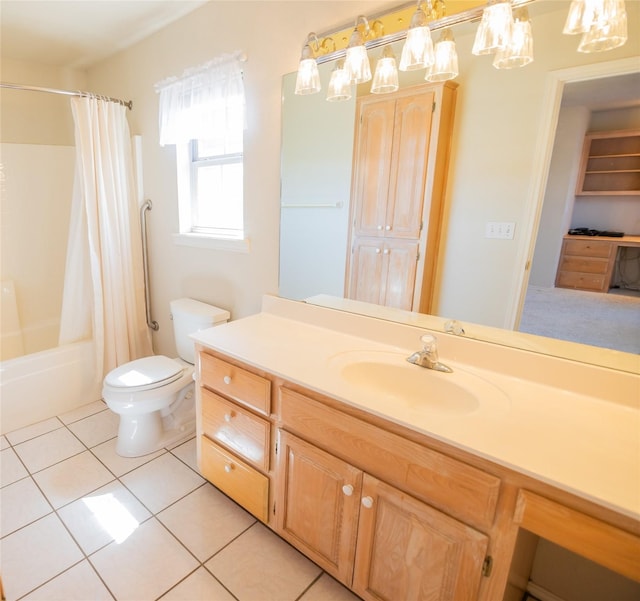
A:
[608,320]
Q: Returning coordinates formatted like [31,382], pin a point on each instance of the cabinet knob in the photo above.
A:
[228,468]
[379,227]
[367,502]
[228,416]
[377,251]
[386,251]
[387,227]
[227,379]
[347,489]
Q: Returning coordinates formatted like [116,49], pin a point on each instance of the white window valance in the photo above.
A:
[205,103]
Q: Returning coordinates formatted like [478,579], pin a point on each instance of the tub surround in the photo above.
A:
[307,411]
[572,425]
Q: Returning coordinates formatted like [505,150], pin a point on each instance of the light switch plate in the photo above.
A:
[500,229]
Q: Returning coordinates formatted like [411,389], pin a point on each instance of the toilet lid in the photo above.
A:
[148,372]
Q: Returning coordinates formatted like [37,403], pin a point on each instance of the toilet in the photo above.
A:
[154,396]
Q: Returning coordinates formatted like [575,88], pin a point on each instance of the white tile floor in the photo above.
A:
[78,522]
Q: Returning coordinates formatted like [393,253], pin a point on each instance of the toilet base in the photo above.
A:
[138,436]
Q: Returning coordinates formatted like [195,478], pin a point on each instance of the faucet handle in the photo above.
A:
[430,345]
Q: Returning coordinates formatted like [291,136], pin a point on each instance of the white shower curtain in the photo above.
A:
[103,294]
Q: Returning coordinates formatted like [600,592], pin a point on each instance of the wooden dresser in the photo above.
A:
[587,262]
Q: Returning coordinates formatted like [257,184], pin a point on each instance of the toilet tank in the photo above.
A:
[190,316]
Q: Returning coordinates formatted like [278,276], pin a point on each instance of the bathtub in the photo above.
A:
[45,384]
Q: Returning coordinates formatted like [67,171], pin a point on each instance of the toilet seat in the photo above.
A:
[144,374]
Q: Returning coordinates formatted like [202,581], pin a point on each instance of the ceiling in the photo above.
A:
[78,33]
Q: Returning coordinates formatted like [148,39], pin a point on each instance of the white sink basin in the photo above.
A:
[390,377]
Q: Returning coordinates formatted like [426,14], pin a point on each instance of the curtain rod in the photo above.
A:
[15,86]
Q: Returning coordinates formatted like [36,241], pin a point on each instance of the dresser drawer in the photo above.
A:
[457,488]
[244,484]
[588,248]
[236,428]
[583,281]
[584,264]
[236,383]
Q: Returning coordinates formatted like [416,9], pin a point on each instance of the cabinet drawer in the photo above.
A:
[244,484]
[584,264]
[582,281]
[236,383]
[236,428]
[458,489]
[588,248]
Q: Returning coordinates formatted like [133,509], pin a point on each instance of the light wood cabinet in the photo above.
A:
[610,164]
[234,436]
[384,272]
[586,264]
[399,174]
[391,513]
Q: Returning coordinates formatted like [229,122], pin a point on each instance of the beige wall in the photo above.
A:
[271,34]
[494,144]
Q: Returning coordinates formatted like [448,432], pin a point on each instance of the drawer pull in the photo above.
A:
[347,489]
[227,380]
[228,467]
[367,502]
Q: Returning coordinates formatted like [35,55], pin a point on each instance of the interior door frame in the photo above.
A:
[552,99]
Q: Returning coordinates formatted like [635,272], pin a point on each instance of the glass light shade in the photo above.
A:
[357,60]
[357,64]
[609,32]
[519,51]
[385,79]
[575,18]
[308,79]
[445,65]
[417,52]
[494,30]
[339,85]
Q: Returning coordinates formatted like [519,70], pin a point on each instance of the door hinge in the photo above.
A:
[418,256]
[421,226]
[276,447]
[487,566]
[433,108]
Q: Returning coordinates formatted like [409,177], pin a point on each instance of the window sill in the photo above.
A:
[242,245]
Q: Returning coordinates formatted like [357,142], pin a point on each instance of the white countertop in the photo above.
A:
[587,445]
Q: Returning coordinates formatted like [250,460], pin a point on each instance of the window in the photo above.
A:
[203,115]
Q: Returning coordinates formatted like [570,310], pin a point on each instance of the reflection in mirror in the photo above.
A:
[502,149]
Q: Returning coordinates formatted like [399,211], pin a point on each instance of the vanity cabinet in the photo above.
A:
[399,172]
[388,511]
[235,432]
[345,498]
[610,164]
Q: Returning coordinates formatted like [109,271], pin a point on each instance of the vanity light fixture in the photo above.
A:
[417,52]
[445,65]
[339,84]
[385,79]
[518,51]
[504,30]
[308,79]
[494,30]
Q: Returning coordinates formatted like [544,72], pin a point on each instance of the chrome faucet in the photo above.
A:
[428,356]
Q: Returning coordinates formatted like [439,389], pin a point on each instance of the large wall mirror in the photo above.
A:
[511,128]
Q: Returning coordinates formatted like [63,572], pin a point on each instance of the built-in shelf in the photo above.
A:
[610,164]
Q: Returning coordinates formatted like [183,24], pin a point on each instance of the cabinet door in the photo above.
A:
[367,269]
[411,134]
[317,504]
[400,259]
[372,164]
[410,551]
